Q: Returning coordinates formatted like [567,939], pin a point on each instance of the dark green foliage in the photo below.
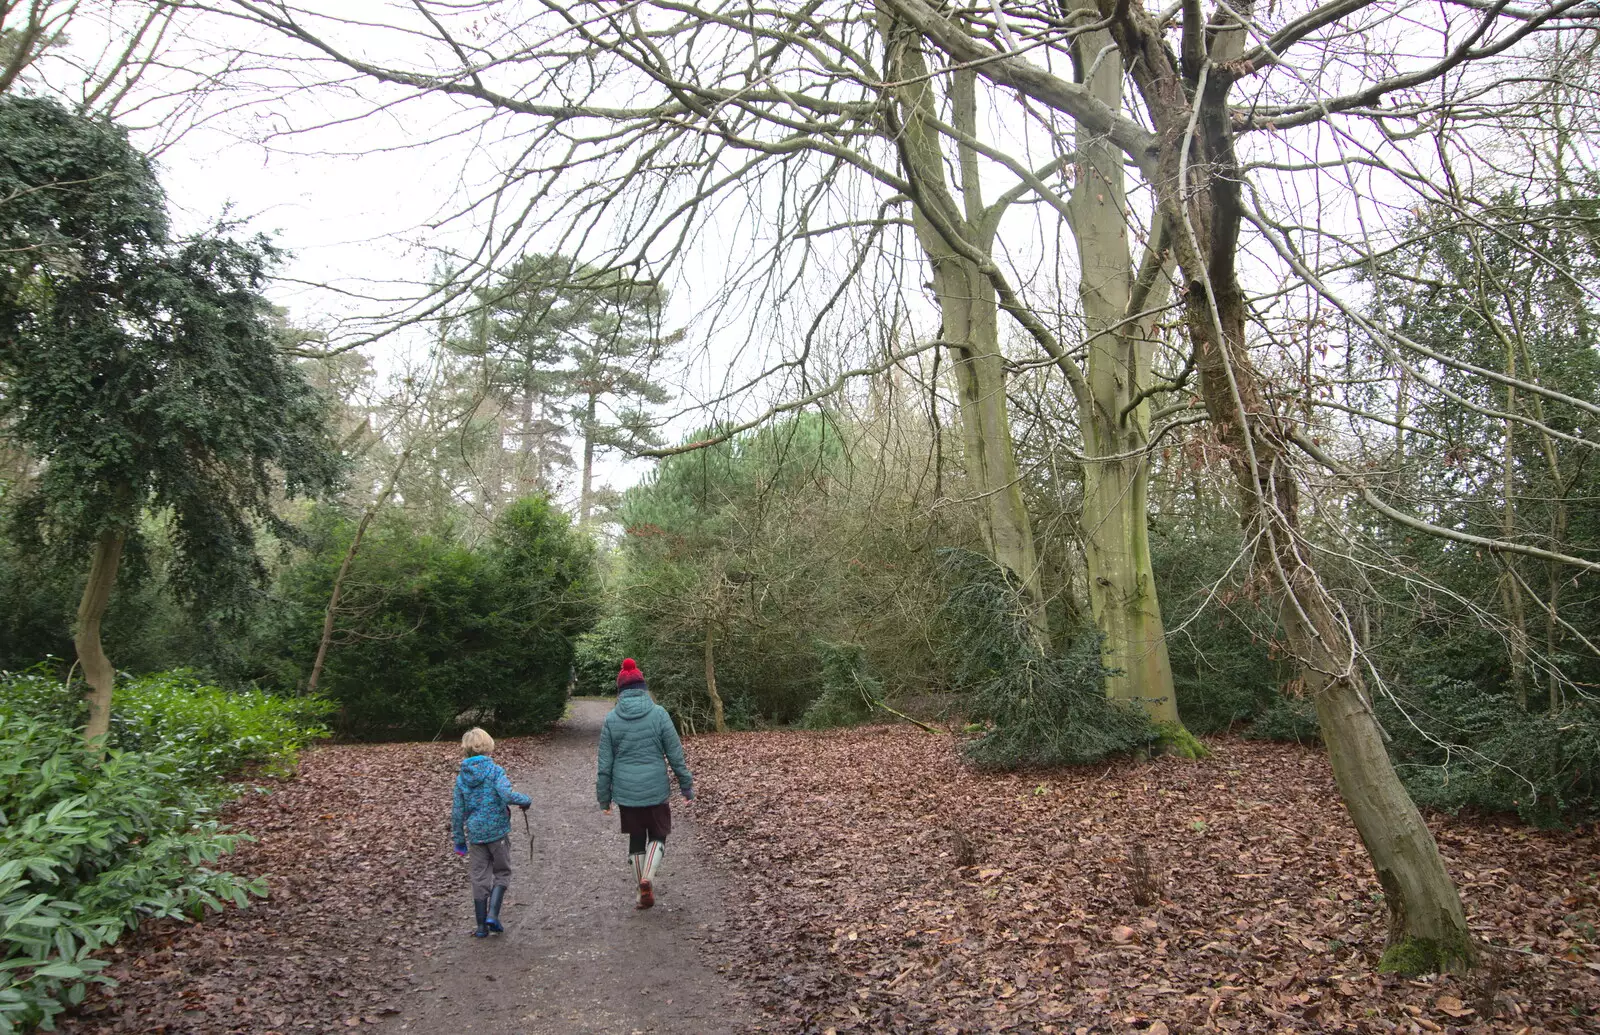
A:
[597,655]
[1286,718]
[146,630]
[35,611]
[222,732]
[1490,709]
[1042,710]
[1222,669]
[1460,747]
[432,634]
[695,562]
[139,371]
[88,849]
[849,690]
[567,344]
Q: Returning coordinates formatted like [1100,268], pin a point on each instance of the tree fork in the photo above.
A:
[1113,407]
[1198,186]
[968,303]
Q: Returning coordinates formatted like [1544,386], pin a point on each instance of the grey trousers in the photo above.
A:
[489,866]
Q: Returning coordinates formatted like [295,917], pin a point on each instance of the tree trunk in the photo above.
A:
[344,569]
[528,475]
[718,722]
[586,492]
[495,481]
[1553,582]
[1114,421]
[967,302]
[98,671]
[1197,183]
[1554,572]
[1510,581]
[970,312]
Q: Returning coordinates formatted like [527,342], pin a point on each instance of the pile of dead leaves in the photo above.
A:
[879,884]
[356,854]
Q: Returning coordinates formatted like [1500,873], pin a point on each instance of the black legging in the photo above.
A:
[636,841]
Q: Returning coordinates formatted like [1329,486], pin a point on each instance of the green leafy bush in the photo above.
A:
[90,847]
[848,689]
[809,529]
[1286,718]
[1458,746]
[433,634]
[1042,710]
[1222,669]
[597,655]
[223,732]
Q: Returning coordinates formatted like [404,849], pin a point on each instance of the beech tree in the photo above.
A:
[1184,143]
[138,372]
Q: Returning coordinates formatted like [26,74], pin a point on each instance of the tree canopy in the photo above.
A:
[140,372]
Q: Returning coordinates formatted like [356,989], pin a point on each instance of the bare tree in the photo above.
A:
[847,151]
[654,122]
[1189,156]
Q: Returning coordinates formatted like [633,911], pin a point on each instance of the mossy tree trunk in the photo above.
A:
[1197,180]
[968,305]
[1114,417]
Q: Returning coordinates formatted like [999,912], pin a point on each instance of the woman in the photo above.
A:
[635,739]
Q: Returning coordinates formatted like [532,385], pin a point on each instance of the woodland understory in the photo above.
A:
[1190,410]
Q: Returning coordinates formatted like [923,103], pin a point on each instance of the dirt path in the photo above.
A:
[576,956]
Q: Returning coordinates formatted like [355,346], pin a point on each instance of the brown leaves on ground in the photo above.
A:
[356,854]
[881,885]
[884,886]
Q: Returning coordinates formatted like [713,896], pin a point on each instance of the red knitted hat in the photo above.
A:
[629,675]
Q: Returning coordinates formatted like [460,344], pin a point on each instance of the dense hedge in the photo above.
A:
[433,634]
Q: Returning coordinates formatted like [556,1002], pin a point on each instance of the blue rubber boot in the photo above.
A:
[480,909]
[496,896]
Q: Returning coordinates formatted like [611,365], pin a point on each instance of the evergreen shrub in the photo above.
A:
[91,847]
[1286,718]
[596,656]
[1459,746]
[1041,710]
[223,732]
[849,690]
[1222,671]
[433,635]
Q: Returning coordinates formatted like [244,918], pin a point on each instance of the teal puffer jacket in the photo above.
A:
[637,735]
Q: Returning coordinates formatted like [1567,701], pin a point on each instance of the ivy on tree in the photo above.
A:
[139,372]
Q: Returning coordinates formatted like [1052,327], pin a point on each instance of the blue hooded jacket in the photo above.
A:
[637,736]
[483,793]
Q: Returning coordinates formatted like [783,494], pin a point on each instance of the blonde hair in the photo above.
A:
[476,742]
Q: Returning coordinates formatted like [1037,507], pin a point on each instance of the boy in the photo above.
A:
[480,816]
